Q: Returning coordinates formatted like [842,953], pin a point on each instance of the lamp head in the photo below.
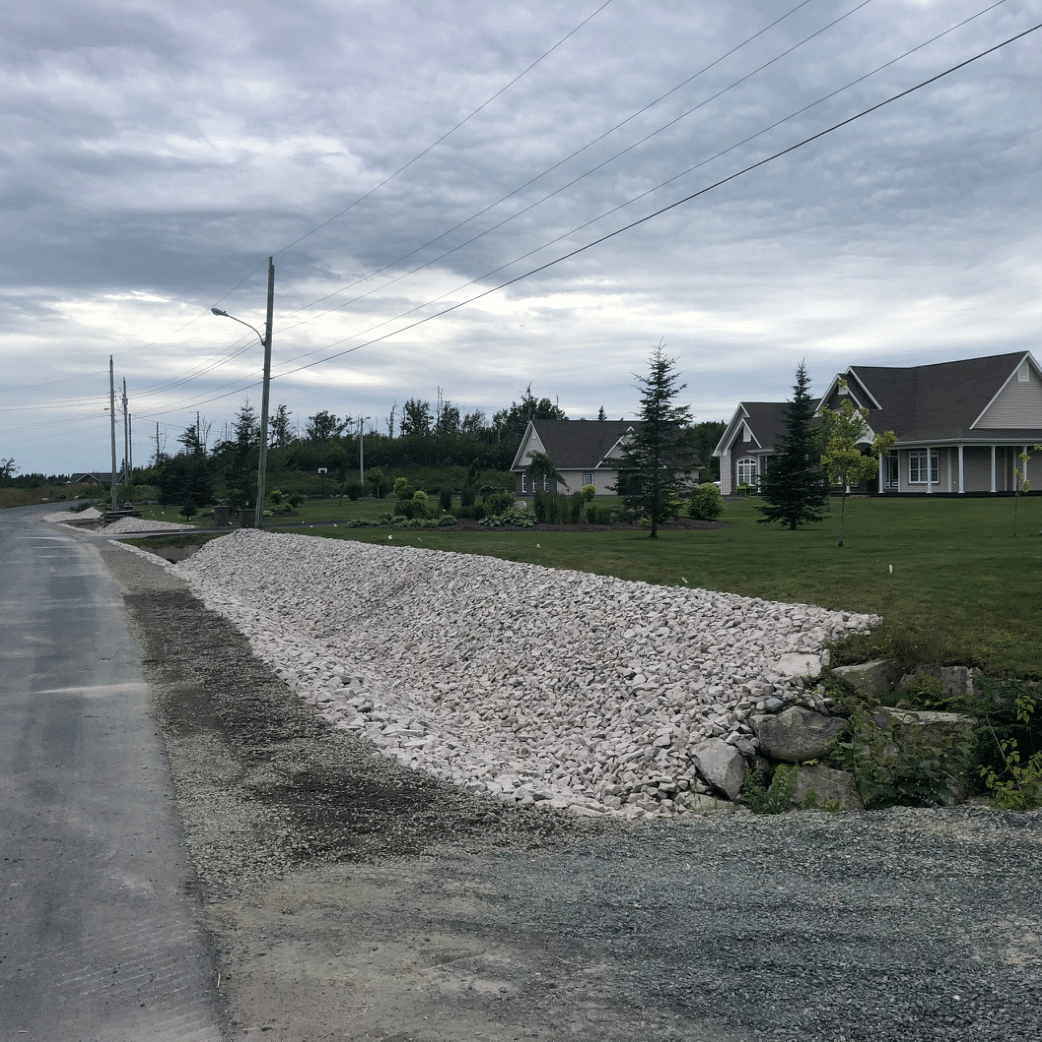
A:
[218,311]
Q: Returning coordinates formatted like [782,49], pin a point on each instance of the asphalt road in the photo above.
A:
[98,922]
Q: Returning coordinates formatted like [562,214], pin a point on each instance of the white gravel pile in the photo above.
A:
[526,682]
[126,525]
[62,516]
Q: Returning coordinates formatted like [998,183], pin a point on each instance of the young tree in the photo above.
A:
[324,426]
[416,418]
[1021,485]
[655,470]
[842,460]
[791,492]
[601,414]
[513,421]
[7,469]
[543,467]
[279,429]
[191,440]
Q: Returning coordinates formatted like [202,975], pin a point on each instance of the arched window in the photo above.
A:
[747,471]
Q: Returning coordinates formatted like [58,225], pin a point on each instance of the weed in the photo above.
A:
[775,799]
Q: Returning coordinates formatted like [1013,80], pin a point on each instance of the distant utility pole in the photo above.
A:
[130,448]
[265,340]
[159,451]
[361,450]
[112,417]
[126,439]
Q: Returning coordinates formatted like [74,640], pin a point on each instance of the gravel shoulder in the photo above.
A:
[350,897]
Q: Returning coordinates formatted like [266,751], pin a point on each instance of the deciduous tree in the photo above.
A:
[842,431]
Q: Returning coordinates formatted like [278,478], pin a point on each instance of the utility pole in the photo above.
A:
[158,459]
[262,464]
[361,449]
[130,449]
[112,418]
[126,440]
[262,460]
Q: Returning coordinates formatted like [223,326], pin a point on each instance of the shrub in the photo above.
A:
[353,490]
[402,489]
[1008,744]
[295,499]
[497,502]
[588,492]
[275,495]
[706,503]
[475,512]
[412,509]
[599,514]
[575,507]
[445,498]
[189,509]
[467,496]
[773,799]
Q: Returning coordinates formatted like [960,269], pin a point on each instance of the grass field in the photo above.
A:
[962,589]
[60,495]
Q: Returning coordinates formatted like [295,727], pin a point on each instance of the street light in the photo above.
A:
[262,462]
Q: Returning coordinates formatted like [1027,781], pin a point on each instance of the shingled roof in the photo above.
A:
[575,444]
[938,402]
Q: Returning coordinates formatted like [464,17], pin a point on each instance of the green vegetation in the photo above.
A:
[961,590]
[47,492]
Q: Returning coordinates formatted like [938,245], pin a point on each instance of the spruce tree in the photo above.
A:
[658,461]
[791,492]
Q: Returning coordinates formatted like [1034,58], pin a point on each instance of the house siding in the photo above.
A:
[1018,405]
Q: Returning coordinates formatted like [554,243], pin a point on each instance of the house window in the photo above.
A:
[1023,373]
[747,471]
[917,460]
[524,483]
[587,478]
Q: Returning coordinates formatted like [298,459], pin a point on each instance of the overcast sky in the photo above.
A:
[155,153]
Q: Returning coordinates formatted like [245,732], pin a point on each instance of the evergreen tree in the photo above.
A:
[791,492]
[655,471]
[279,429]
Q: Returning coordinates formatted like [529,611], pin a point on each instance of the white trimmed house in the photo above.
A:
[960,426]
[585,452]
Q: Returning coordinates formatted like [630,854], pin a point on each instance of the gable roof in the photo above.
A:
[765,420]
[938,402]
[572,444]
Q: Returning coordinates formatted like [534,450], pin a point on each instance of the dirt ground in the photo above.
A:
[350,898]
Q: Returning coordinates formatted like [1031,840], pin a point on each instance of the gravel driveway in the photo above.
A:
[352,898]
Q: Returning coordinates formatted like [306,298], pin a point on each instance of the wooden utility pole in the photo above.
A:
[126,439]
[112,418]
[262,463]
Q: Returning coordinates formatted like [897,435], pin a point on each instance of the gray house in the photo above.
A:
[960,426]
[585,452]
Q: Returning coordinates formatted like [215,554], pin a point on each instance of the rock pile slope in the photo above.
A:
[526,682]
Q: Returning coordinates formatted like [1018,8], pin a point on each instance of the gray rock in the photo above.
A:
[722,765]
[869,679]
[957,681]
[934,729]
[797,734]
[774,705]
[829,786]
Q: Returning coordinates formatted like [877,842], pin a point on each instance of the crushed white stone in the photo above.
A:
[529,683]
[126,525]
[62,516]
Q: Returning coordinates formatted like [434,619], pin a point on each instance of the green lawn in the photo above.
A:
[962,588]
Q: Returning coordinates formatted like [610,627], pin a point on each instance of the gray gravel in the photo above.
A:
[353,898]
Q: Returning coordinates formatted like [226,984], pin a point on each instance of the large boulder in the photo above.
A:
[870,680]
[722,766]
[956,681]
[829,786]
[796,734]
[935,730]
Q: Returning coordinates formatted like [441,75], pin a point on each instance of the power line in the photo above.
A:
[621,206]
[448,133]
[678,202]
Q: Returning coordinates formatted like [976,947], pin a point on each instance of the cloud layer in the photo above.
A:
[154,154]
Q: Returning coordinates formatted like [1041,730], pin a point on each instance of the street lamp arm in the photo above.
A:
[224,314]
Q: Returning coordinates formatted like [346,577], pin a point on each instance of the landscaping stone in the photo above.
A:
[829,785]
[720,764]
[956,681]
[797,734]
[583,689]
[799,664]
[870,680]
[935,730]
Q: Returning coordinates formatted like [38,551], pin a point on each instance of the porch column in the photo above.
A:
[880,483]
[725,472]
[1024,475]
[993,468]
[961,489]
[929,470]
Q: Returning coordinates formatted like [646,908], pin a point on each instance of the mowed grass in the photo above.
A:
[60,495]
[962,589]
